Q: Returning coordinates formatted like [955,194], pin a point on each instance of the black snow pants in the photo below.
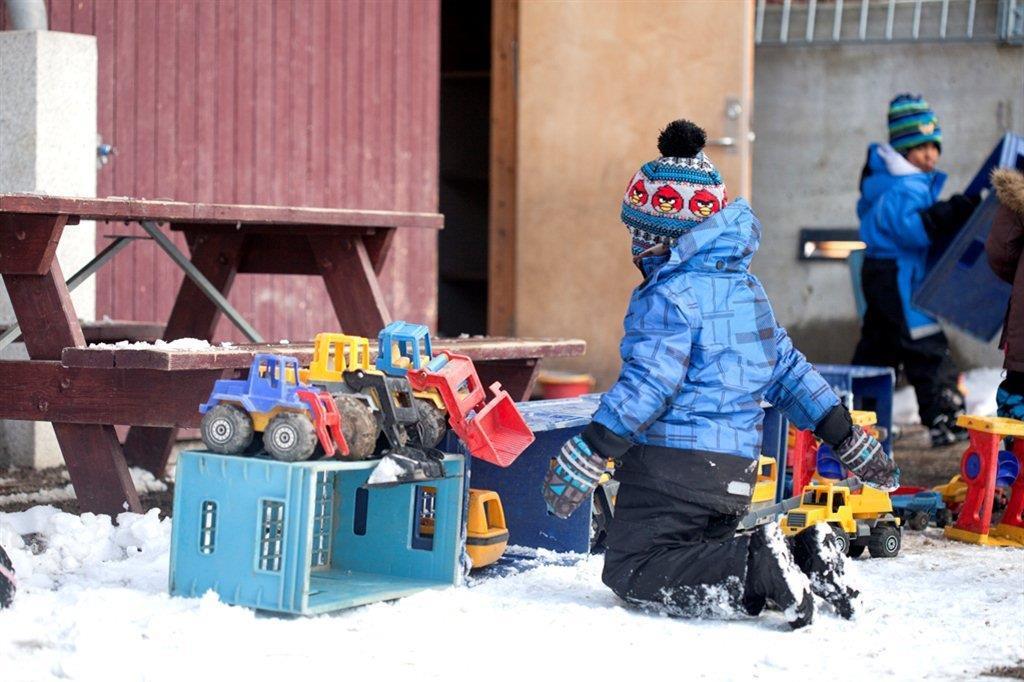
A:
[674,555]
[885,342]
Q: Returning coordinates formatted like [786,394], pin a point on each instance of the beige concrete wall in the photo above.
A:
[597,82]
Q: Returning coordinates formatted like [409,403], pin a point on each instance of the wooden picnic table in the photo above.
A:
[85,391]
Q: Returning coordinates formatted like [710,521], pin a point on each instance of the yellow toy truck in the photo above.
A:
[860,521]
[766,483]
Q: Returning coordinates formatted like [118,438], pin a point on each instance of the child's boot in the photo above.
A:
[817,554]
[773,576]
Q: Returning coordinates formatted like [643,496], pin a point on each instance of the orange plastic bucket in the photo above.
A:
[564,384]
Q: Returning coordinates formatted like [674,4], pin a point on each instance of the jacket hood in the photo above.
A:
[730,238]
[1009,184]
[886,166]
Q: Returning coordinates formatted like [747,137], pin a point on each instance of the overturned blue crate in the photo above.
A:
[865,388]
[553,422]
[310,537]
[960,287]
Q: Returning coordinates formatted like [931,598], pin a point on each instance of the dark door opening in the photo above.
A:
[464,167]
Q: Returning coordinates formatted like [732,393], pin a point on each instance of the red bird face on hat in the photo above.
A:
[667,200]
[704,203]
[638,194]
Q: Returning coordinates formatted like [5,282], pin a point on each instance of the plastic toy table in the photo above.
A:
[84,392]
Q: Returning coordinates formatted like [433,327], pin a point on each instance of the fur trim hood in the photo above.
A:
[1009,185]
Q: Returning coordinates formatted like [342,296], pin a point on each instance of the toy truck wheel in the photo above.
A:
[432,421]
[918,520]
[885,542]
[857,549]
[842,539]
[358,425]
[226,429]
[943,518]
[290,437]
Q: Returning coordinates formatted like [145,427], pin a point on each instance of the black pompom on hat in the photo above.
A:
[682,139]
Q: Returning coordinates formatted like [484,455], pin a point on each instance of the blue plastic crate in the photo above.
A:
[865,388]
[309,537]
[553,422]
[960,287]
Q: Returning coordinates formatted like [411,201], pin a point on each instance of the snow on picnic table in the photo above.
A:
[93,605]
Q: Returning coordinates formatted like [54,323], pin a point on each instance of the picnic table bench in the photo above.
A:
[84,391]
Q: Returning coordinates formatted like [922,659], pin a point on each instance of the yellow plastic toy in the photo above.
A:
[767,481]
[486,532]
[860,521]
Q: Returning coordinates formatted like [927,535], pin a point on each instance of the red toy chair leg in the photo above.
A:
[1012,525]
[804,459]
[978,470]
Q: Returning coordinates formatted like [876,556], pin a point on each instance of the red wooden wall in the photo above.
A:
[291,102]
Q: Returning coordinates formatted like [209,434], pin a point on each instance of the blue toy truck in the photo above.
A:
[918,508]
[292,419]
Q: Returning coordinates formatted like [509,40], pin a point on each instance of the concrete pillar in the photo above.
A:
[48,146]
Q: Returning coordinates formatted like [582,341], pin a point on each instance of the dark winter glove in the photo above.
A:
[573,477]
[859,452]
[945,218]
[865,458]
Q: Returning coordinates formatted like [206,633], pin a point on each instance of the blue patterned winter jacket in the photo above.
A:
[702,348]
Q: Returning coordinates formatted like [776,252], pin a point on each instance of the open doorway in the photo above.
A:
[464,167]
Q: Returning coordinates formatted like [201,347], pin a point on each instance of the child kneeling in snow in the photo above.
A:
[683,422]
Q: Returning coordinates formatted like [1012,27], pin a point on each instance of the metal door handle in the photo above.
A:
[730,141]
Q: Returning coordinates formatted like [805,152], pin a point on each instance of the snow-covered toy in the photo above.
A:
[984,468]
[293,417]
[860,516]
[310,537]
[8,582]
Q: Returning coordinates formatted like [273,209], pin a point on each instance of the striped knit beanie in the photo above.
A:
[912,122]
[669,195]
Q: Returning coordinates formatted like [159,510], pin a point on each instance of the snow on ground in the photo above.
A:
[144,482]
[980,386]
[95,597]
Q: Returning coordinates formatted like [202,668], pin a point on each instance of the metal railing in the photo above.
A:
[814,22]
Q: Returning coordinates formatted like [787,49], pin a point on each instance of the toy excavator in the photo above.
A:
[493,430]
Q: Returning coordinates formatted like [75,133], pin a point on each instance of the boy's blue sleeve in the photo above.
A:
[796,388]
[900,215]
[653,367]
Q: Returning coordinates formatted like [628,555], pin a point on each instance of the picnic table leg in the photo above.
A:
[194,315]
[93,456]
[516,376]
[350,275]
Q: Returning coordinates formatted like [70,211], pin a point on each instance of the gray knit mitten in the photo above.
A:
[863,455]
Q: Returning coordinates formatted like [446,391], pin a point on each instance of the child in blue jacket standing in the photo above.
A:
[683,421]
[900,221]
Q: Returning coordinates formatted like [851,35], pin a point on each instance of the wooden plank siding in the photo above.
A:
[329,103]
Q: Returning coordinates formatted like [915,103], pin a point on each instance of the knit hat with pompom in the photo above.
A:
[671,194]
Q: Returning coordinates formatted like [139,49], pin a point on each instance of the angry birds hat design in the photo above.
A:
[671,194]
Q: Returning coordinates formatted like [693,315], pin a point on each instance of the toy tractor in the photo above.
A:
[860,521]
[370,401]
[493,430]
[293,418]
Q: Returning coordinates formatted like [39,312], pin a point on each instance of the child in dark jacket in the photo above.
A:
[1005,245]
[901,220]
[683,421]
